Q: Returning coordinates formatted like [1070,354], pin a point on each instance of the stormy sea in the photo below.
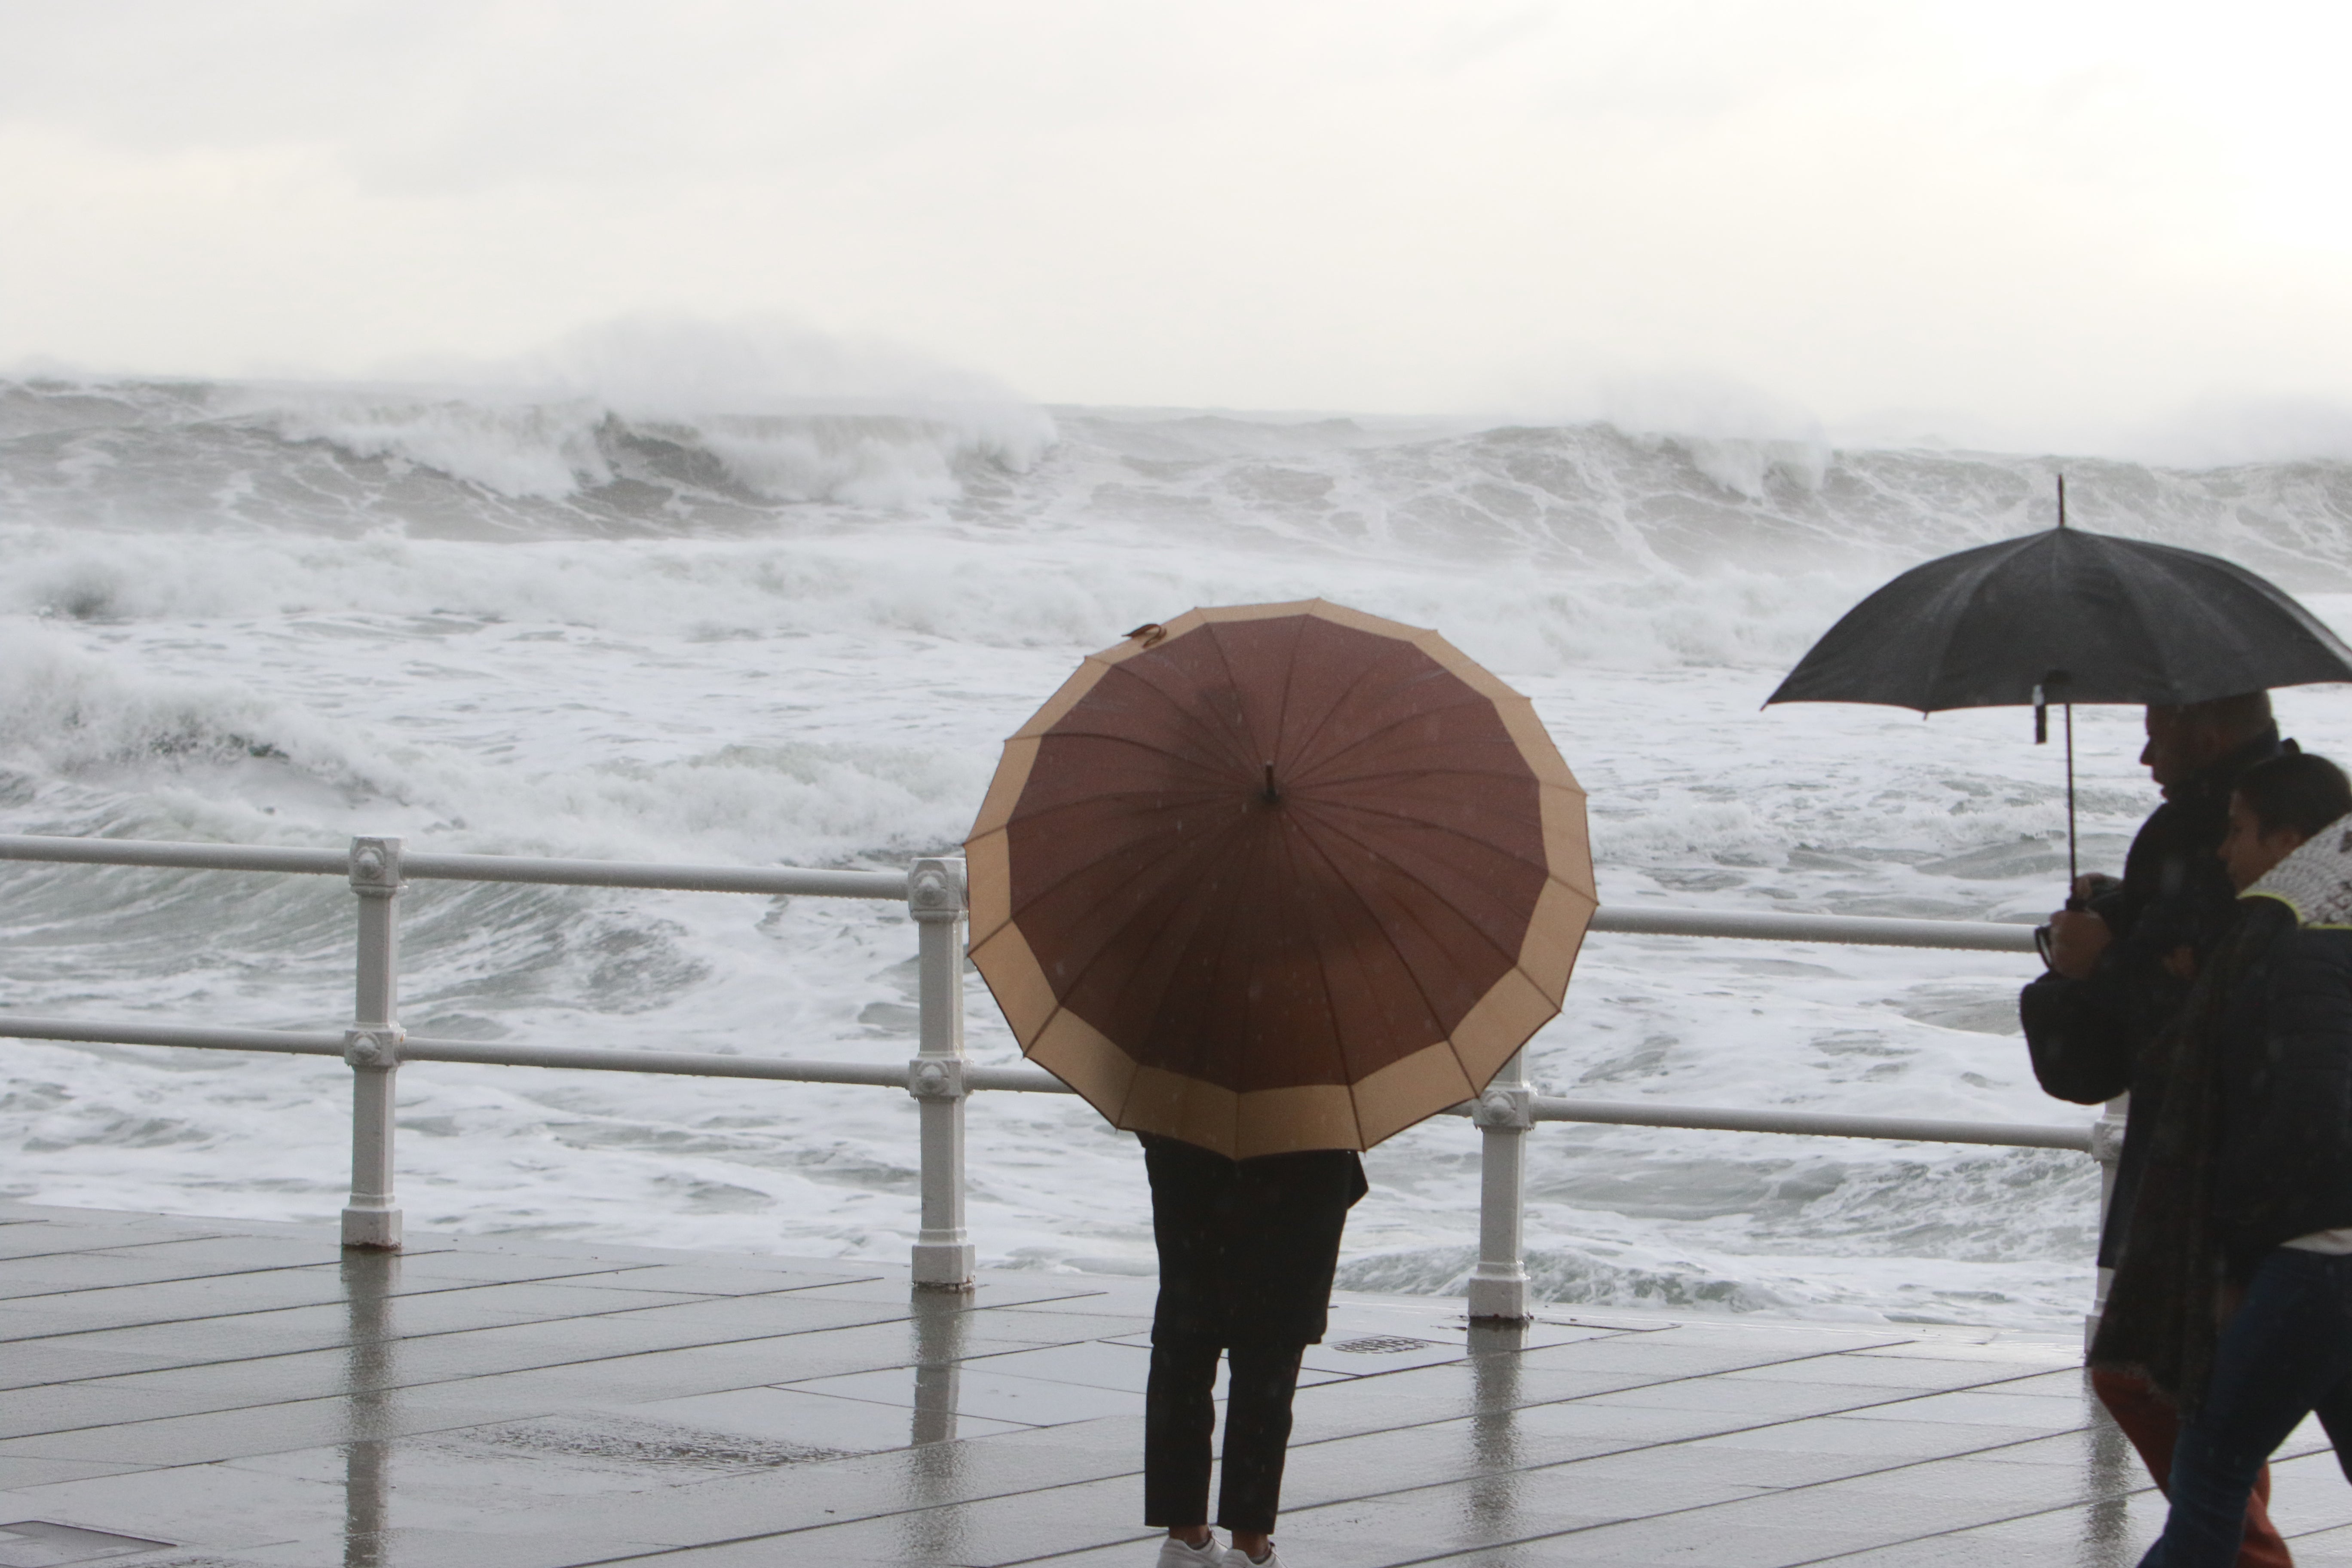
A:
[583,625]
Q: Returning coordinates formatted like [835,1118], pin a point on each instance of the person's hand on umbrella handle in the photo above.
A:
[2089,886]
[2077,940]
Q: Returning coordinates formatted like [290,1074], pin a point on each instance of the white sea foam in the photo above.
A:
[593,622]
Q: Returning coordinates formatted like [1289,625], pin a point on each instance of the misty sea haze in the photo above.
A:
[585,624]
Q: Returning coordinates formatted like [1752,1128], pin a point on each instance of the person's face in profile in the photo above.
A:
[2249,850]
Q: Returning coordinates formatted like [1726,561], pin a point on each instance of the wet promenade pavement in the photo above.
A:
[226,1395]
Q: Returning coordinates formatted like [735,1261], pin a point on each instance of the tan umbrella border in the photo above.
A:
[1277,1121]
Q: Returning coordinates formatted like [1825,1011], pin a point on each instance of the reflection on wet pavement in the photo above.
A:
[1494,1427]
[370,1284]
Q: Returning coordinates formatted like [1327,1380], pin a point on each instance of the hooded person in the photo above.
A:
[2122,960]
[2233,1292]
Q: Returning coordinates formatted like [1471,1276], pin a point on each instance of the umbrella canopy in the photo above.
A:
[1279,877]
[2087,617]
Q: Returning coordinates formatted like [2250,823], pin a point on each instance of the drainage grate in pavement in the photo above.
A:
[37,1544]
[1381,1345]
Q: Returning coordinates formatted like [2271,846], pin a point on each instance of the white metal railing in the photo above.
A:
[939,1076]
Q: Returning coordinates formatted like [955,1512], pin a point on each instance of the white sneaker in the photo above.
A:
[1236,1558]
[1174,1554]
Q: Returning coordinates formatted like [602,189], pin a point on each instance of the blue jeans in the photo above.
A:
[2284,1354]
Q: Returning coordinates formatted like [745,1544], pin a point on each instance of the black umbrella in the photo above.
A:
[2067,616]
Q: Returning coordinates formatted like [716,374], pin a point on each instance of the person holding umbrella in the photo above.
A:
[2123,958]
[2067,616]
[1267,885]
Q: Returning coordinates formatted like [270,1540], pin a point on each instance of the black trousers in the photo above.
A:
[1179,1417]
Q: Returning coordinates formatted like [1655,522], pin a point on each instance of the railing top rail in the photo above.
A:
[648,874]
[768,879]
[1866,931]
[189,857]
[1985,936]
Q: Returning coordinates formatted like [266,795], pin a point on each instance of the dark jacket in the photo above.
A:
[2284,1167]
[2089,1037]
[1247,1247]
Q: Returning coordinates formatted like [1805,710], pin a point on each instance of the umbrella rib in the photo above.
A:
[1323,978]
[1952,627]
[1209,786]
[1154,864]
[1114,737]
[1512,958]
[1450,770]
[1290,677]
[1177,795]
[1331,709]
[1371,914]
[1324,809]
[2127,584]
[1043,816]
[1209,795]
[1233,684]
[1470,699]
[1062,992]
[1224,947]
[1200,916]
[1513,966]
[1218,740]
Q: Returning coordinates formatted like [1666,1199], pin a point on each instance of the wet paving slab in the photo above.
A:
[206,1394]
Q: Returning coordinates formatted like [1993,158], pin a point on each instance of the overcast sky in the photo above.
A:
[2056,222]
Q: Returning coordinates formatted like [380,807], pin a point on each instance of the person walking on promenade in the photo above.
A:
[2120,967]
[1247,1251]
[2233,1293]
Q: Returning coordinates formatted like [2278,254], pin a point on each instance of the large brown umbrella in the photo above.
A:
[1278,876]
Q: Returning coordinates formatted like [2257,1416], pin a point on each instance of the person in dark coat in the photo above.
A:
[1248,1252]
[2233,1285]
[2123,957]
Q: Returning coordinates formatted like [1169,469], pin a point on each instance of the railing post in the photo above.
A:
[2107,1149]
[372,1045]
[1499,1285]
[935,897]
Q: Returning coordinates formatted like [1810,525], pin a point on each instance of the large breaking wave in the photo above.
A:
[592,617]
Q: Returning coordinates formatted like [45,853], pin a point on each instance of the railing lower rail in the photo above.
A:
[1023,1080]
[939,1076]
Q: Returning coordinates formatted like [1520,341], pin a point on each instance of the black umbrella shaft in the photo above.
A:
[2071,872]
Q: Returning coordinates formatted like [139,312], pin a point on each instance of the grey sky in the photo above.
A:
[2057,222]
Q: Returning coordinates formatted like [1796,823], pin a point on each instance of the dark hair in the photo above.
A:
[2299,791]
